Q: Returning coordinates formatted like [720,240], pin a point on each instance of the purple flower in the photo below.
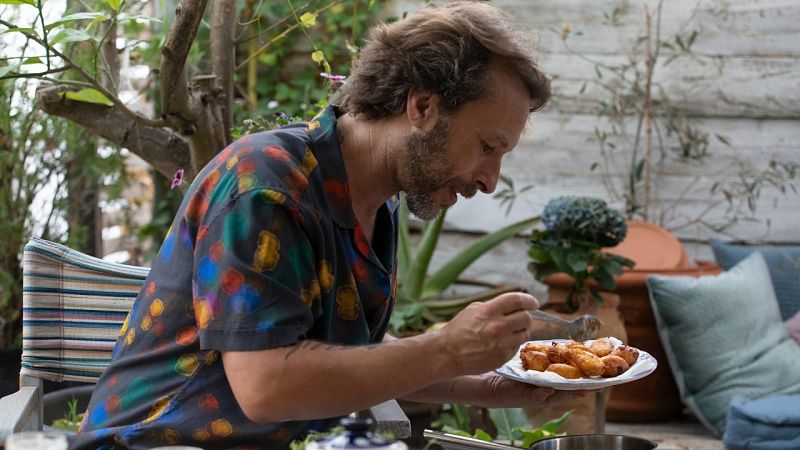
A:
[178,179]
[336,79]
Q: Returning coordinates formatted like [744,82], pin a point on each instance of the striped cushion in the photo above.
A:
[73,308]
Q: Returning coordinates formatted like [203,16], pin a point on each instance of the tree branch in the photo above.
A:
[194,112]
[160,147]
[223,24]
[174,82]
[35,74]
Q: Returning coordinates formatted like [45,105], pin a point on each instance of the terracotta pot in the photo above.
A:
[654,398]
[651,247]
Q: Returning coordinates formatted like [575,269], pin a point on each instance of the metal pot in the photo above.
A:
[594,442]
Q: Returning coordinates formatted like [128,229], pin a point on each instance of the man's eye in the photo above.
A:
[487,149]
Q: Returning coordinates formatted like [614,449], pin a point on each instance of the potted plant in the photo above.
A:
[576,230]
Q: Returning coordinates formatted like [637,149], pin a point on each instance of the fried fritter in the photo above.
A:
[613,366]
[534,360]
[535,347]
[628,353]
[601,347]
[589,363]
[558,354]
[565,370]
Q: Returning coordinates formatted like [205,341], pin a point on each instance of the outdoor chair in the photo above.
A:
[73,308]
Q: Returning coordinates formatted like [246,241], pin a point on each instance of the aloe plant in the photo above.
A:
[420,299]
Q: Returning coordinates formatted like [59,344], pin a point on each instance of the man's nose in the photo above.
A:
[487,177]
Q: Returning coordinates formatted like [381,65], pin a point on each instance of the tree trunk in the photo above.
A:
[85,229]
[223,46]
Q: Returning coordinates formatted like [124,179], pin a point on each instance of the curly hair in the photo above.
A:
[446,51]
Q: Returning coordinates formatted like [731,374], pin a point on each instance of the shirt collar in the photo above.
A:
[328,151]
[326,148]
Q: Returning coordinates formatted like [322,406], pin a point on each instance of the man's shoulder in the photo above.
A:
[278,160]
[293,139]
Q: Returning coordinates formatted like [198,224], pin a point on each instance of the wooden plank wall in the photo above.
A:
[742,81]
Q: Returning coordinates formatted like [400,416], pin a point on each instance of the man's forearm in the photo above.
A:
[455,390]
[312,380]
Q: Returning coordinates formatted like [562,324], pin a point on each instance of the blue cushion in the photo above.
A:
[769,423]
[784,269]
[723,336]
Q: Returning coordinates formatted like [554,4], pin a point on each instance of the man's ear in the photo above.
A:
[422,109]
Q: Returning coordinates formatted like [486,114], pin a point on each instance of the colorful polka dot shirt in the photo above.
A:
[264,252]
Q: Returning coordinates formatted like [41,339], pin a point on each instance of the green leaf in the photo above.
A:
[723,139]
[308,20]
[454,419]
[506,420]
[89,95]
[612,266]
[74,17]
[114,4]
[17,2]
[539,254]
[531,436]
[638,170]
[555,425]
[604,278]
[70,35]
[403,240]
[8,69]
[452,430]
[137,17]
[34,60]
[481,434]
[542,271]
[407,316]
[23,30]
[449,272]
[318,56]
[418,268]
[559,256]
[577,260]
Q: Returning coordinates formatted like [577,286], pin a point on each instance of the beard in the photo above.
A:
[426,169]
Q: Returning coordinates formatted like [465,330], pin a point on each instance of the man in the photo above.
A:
[266,307]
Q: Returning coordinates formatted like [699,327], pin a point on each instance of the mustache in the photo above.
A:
[468,190]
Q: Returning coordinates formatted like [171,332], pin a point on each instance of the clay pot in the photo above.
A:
[654,398]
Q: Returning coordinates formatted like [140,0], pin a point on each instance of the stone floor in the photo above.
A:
[679,435]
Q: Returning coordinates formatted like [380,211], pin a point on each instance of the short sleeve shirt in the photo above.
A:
[264,252]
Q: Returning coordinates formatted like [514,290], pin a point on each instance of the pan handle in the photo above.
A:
[455,442]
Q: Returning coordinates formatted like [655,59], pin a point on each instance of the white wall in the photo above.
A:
[742,81]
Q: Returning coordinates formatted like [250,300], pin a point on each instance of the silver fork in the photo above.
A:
[580,329]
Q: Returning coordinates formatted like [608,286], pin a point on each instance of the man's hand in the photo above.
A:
[483,336]
[502,392]
[490,390]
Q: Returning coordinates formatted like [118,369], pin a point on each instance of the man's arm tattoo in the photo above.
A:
[315,345]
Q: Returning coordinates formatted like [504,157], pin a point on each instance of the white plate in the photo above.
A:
[644,366]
